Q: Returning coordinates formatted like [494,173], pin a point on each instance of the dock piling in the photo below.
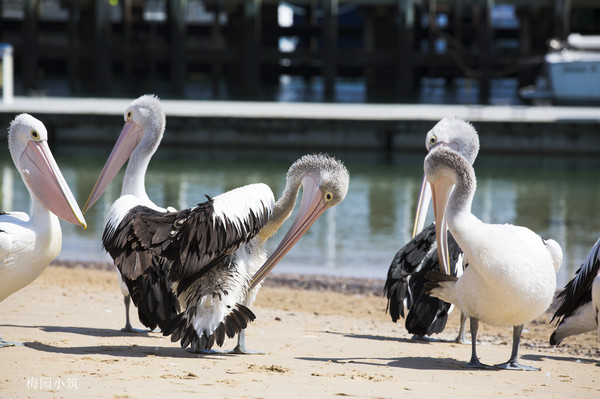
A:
[6,51]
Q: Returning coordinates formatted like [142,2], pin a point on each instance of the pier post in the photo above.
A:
[562,18]
[101,55]
[405,74]
[330,50]
[73,59]
[177,44]
[485,49]
[251,43]
[6,51]
[30,54]
[218,39]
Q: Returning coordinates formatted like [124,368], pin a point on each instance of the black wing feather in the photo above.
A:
[192,239]
[578,291]
[406,278]
[406,260]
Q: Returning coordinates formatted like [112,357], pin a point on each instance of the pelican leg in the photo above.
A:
[474,362]
[241,346]
[6,344]
[513,362]
[198,345]
[128,327]
[462,332]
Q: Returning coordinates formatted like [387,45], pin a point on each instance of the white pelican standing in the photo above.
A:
[28,243]
[510,272]
[217,248]
[579,302]
[406,276]
[139,139]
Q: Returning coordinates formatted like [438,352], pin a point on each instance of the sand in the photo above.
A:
[317,343]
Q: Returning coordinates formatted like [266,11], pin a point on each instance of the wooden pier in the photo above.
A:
[267,126]
[126,47]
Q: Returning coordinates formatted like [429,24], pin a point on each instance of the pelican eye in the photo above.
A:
[432,140]
[129,115]
[35,135]
[328,196]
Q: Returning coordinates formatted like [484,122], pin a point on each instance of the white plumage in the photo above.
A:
[237,205]
[510,272]
[28,243]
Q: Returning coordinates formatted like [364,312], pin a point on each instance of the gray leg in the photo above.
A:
[513,362]
[198,345]
[6,344]
[462,332]
[128,327]
[474,362]
[241,346]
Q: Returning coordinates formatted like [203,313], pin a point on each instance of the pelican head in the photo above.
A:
[28,145]
[142,132]
[453,133]
[444,168]
[324,182]
[457,134]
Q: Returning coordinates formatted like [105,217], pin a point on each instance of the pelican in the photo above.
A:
[426,314]
[511,273]
[579,306]
[28,243]
[142,132]
[216,249]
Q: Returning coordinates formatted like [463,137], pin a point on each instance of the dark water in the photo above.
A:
[555,197]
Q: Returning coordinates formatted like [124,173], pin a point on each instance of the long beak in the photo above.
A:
[130,137]
[422,207]
[441,190]
[48,184]
[311,207]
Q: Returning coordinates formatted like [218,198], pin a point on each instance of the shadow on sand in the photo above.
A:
[89,331]
[541,357]
[415,363]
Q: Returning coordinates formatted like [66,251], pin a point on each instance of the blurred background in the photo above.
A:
[458,51]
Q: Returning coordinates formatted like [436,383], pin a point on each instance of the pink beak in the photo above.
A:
[130,137]
[441,191]
[311,207]
[48,184]
[422,207]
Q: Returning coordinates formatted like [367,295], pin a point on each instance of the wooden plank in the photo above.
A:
[334,111]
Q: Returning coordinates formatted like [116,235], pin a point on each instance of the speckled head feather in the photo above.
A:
[444,161]
[332,175]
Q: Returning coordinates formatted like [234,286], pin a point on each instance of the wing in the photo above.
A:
[578,291]
[405,262]
[428,315]
[193,239]
[7,220]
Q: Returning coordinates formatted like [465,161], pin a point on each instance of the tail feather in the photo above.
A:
[582,321]
[428,316]
[441,285]
[181,328]
[152,295]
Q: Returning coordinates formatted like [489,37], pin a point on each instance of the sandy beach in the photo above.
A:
[321,339]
